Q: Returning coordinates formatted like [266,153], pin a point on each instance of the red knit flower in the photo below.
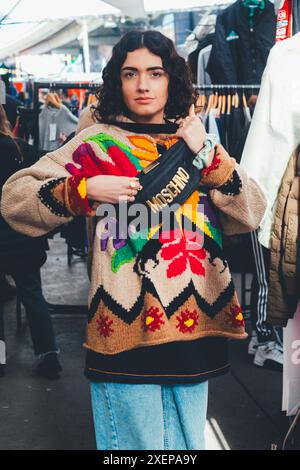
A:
[151,319]
[188,321]
[104,326]
[183,249]
[213,166]
[91,165]
[235,317]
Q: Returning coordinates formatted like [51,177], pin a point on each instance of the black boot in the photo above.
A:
[49,367]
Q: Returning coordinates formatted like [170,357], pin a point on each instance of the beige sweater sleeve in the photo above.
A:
[24,196]
[240,200]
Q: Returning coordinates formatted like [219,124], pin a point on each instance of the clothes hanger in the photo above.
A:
[216,99]
[219,107]
[92,99]
[210,103]
[199,104]
[223,103]
[233,100]
[228,103]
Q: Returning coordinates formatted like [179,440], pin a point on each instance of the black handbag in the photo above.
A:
[172,177]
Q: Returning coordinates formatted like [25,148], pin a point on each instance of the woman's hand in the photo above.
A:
[193,132]
[106,188]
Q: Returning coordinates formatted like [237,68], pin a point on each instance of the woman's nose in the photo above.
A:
[143,83]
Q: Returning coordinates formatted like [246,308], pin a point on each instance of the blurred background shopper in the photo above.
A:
[22,257]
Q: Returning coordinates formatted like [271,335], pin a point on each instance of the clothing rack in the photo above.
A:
[234,88]
[231,86]
[54,86]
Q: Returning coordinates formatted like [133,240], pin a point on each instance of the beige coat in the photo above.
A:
[284,285]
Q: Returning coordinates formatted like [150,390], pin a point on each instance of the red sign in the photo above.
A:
[284,21]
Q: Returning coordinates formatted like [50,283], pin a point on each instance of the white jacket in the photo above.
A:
[275,127]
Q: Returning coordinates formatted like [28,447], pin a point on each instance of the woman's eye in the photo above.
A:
[157,74]
[129,74]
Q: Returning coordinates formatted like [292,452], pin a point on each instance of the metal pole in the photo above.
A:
[36,87]
[85,47]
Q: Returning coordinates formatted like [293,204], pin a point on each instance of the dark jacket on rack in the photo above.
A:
[193,56]
[284,283]
[239,53]
[17,251]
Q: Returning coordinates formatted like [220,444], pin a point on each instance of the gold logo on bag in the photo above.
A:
[172,189]
[150,167]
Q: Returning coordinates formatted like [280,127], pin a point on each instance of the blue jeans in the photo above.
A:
[149,416]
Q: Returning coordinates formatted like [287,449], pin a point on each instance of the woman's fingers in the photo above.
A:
[134,185]
[192,111]
[125,198]
[131,192]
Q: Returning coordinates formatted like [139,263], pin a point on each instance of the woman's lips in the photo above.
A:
[144,100]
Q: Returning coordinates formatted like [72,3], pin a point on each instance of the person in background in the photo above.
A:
[21,97]
[22,258]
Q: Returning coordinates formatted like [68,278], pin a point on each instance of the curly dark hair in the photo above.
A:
[180,93]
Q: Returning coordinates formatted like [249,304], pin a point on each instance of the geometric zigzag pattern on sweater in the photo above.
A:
[129,316]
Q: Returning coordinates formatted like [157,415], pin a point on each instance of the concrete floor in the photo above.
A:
[244,405]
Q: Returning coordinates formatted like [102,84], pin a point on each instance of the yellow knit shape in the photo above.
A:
[239,317]
[81,188]
[149,320]
[145,148]
[189,322]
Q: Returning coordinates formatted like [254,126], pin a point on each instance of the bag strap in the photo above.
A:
[298,161]
[168,128]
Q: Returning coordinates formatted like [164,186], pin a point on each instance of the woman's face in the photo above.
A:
[144,86]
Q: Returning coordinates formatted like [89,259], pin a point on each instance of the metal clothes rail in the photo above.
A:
[228,86]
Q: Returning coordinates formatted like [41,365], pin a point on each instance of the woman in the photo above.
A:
[22,257]
[161,308]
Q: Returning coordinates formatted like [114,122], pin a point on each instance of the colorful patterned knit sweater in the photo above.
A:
[160,308]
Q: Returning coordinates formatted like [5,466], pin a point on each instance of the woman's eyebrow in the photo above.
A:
[149,68]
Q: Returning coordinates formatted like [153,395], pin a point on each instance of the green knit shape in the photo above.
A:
[217,235]
[128,252]
[105,141]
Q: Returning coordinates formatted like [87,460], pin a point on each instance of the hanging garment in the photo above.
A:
[212,124]
[284,292]
[296,17]
[53,123]
[236,124]
[193,56]
[247,115]
[239,52]
[203,77]
[275,128]
[291,365]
